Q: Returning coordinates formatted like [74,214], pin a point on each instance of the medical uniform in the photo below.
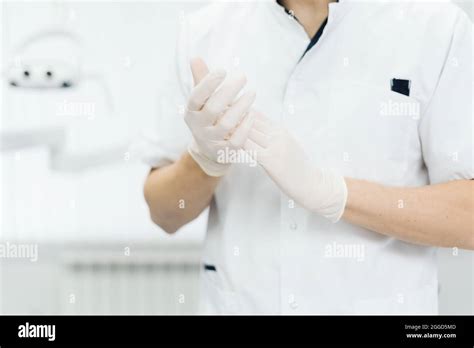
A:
[384,95]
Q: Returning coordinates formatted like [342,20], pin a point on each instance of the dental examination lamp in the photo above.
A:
[51,60]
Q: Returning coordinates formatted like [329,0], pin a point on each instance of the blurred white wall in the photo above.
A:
[97,214]
[130,45]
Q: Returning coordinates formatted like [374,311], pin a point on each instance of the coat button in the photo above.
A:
[293,226]
[291,109]
[292,302]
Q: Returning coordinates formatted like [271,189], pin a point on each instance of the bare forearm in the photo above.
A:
[178,193]
[439,215]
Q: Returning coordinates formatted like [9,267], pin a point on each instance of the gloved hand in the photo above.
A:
[216,120]
[321,191]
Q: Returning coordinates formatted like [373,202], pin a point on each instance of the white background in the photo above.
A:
[129,44]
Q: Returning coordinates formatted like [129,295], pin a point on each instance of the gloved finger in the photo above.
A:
[262,124]
[259,138]
[204,90]
[225,95]
[252,149]
[241,133]
[197,119]
[235,114]
[199,70]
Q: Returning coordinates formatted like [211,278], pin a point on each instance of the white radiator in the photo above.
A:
[160,280]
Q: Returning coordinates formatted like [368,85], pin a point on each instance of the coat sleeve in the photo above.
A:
[446,129]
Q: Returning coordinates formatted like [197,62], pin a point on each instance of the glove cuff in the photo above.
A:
[210,167]
[334,189]
[340,194]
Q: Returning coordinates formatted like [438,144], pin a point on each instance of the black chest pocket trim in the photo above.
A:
[208,267]
[401,86]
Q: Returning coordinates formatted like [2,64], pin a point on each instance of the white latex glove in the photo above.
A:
[216,119]
[321,191]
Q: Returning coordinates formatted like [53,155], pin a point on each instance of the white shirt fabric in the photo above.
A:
[273,257]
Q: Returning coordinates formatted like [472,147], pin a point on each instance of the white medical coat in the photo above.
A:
[271,256]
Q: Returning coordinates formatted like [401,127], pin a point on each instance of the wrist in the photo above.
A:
[188,165]
[209,166]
